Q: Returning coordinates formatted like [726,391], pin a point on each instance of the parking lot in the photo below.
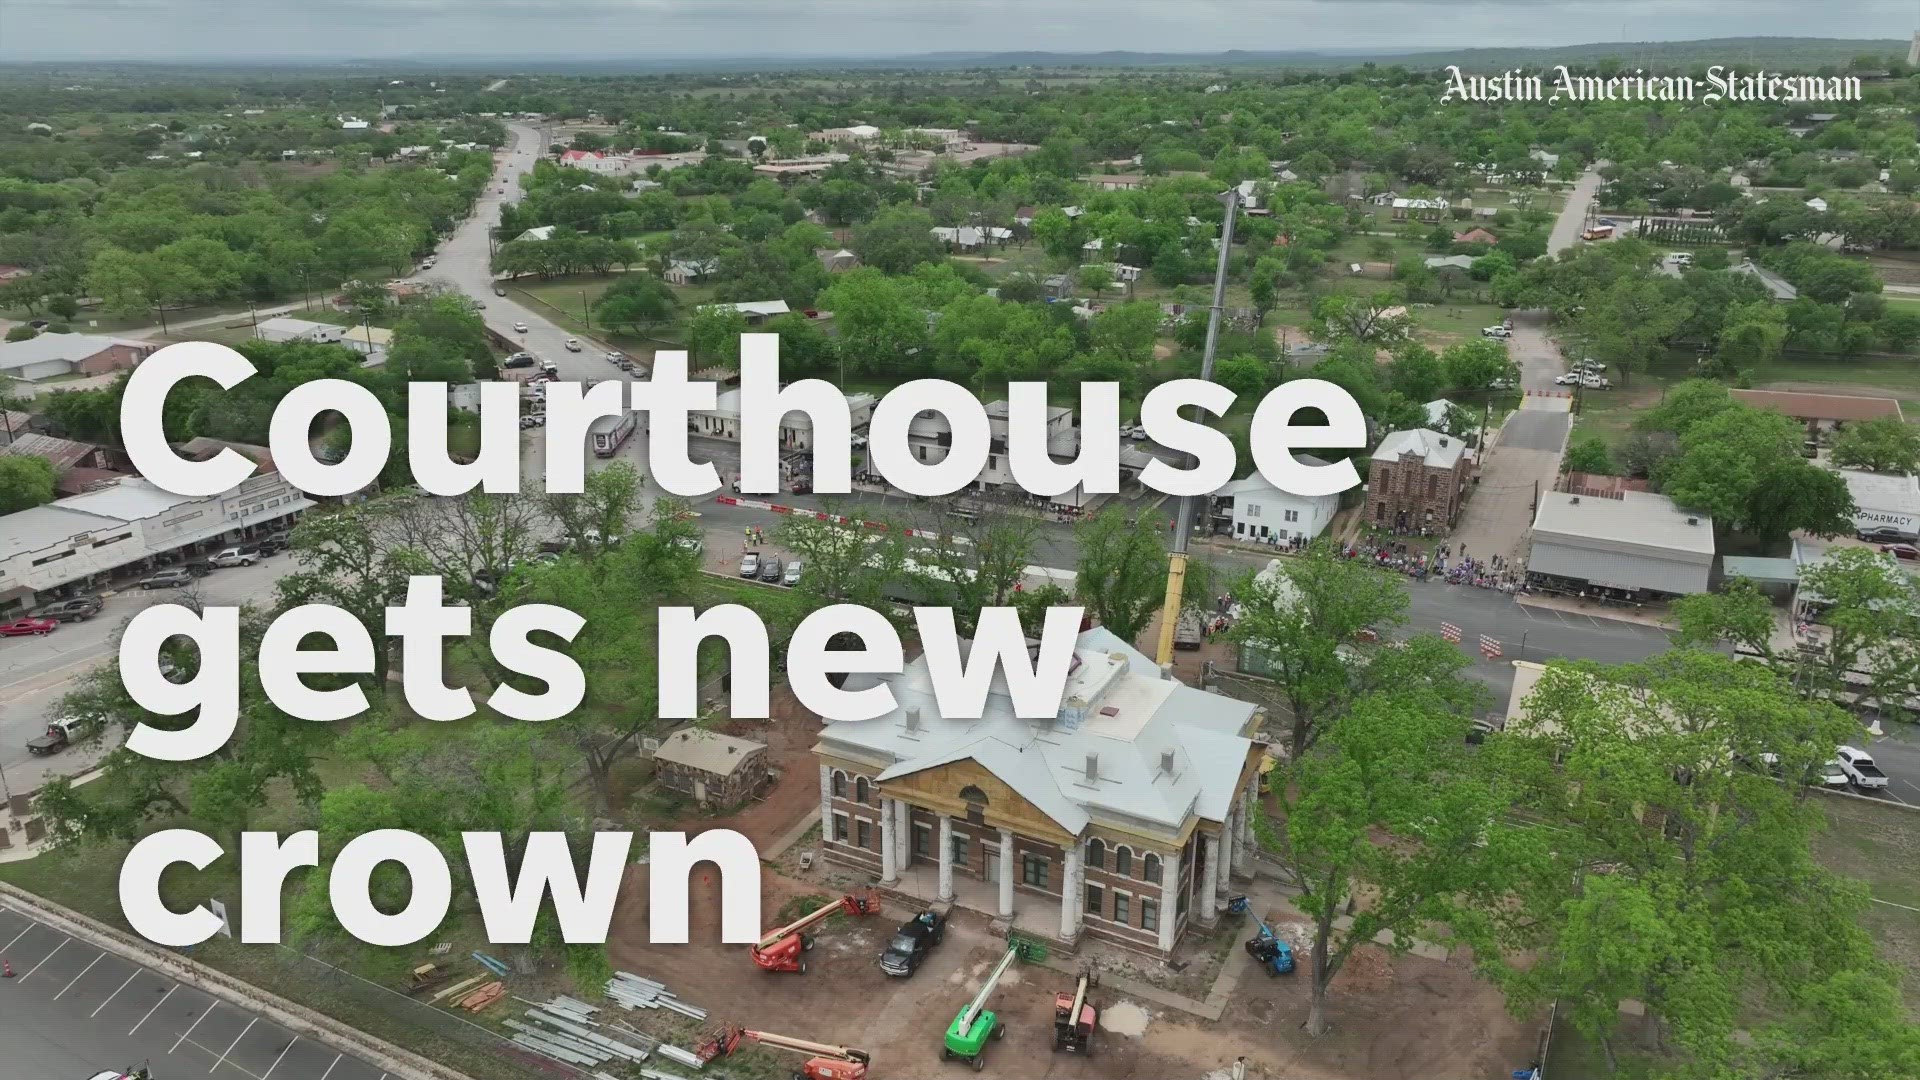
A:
[72,1009]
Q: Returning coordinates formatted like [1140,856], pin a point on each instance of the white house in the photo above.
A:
[539,232]
[688,271]
[1260,511]
[796,428]
[756,311]
[1817,204]
[970,238]
[1884,500]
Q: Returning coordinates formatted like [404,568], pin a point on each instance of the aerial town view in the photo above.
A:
[1288,540]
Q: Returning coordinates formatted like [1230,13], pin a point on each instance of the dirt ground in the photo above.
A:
[1408,1018]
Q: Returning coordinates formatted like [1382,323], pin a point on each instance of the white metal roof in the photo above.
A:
[131,499]
[46,347]
[1436,450]
[1116,708]
[1638,520]
[708,751]
[1882,491]
[44,526]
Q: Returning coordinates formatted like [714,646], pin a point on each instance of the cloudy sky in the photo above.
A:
[188,29]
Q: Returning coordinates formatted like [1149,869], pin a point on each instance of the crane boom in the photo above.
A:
[1079,998]
[1183,520]
[846,903]
[827,1050]
[979,1001]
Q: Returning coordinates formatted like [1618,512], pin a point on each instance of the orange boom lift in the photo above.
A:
[780,949]
[828,1062]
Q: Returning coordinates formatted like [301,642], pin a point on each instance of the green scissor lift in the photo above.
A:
[970,1031]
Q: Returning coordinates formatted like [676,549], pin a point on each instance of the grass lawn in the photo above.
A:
[568,300]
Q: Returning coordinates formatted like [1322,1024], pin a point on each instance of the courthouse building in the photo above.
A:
[1121,817]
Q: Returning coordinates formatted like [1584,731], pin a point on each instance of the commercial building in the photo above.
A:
[1627,545]
[51,356]
[930,435]
[1820,412]
[1121,817]
[796,428]
[1884,500]
[123,526]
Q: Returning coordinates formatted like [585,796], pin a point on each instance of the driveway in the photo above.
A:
[1523,462]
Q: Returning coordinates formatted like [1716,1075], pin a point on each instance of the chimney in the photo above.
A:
[733,749]
[913,718]
[1575,501]
[1443,442]
[1166,762]
[1093,767]
[1693,521]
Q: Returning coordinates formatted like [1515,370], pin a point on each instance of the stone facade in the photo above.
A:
[1407,493]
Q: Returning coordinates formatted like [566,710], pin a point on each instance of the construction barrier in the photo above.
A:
[1489,648]
[1451,632]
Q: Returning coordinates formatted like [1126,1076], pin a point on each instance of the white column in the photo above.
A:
[1223,877]
[1242,861]
[1006,873]
[1203,889]
[889,873]
[903,835]
[1070,899]
[826,804]
[1169,901]
[946,859]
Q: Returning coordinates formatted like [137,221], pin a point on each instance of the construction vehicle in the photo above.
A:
[1183,521]
[1074,1017]
[828,1062]
[1271,950]
[967,1036]
[780,949]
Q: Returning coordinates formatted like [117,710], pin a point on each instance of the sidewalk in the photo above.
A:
[1646,616]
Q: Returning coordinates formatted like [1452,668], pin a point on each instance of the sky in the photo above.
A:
[184,30]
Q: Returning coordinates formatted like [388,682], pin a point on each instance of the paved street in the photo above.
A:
[72,1009]
[1573,216]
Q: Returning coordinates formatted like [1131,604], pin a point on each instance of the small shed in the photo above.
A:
[711,767]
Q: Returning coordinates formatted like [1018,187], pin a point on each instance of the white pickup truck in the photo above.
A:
[1860,769]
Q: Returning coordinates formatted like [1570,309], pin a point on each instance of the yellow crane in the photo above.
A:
[1183,518]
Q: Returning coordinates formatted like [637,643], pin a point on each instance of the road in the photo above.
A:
[73,1009]
[1573,216]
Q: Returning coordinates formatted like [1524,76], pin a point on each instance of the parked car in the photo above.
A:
[911,943]
[234,556]
[771,568]
[1885,534]
[1831,775]
[31,626]
[271,545]
[519,360]
[1495,332]
[61,733]
[792,576]
[519,328]
[78,609]
[750,564]
[692,544]
[1596,382]
[528,421]
[1681,258]
[498,291]
[1901,551]
[1860,769]
[573,344]
[167,579]
[1568,379]
[616,356]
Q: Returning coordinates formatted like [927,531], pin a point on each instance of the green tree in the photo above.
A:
[1711,909]
[22,332]
[1883,444]
[1588,454]
[1754,333]
[26,481]
[713,334]
[1122,574]
[897,239]
[1744,466]
[638,302]
[1417,372]
[878,319]
[1302,624]
[1627,323]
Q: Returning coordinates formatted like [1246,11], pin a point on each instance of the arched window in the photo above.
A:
[860,791]
[839,784]
[1096,853]
[1123,861]
[1151,868]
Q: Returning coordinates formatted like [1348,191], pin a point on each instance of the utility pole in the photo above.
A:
[1183,520]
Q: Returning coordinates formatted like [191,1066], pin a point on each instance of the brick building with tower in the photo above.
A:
[1418,478]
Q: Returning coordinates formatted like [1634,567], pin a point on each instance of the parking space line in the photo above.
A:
[330,1068]
[278,1060]
[77,978]
[30,925]
[211,1006]
[115,994]
[44,959]
[155,1009]
[235,1042]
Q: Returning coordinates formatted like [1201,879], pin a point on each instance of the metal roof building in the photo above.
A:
[1634,541]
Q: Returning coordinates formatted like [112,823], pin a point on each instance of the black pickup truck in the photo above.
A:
[911,943]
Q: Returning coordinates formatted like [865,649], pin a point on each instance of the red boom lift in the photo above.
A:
[827,1063]
[780,949]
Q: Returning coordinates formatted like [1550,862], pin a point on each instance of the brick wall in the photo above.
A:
[1425,495]
[113,358]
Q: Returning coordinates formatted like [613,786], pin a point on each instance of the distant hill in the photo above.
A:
[1773,52]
